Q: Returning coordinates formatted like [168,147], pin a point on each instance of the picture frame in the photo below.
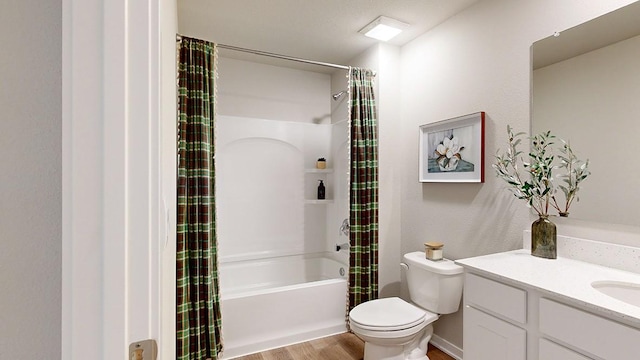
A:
[452,150]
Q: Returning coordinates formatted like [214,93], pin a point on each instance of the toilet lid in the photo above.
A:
[388,314]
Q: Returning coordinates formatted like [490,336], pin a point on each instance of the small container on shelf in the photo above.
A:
[321,163]
[321,190]
[433,250]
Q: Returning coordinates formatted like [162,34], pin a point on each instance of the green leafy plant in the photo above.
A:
[575,172]
[533,181]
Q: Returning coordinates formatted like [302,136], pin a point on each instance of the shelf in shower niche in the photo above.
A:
[318,171]
[318,202]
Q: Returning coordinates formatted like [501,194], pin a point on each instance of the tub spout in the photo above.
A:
[344,246]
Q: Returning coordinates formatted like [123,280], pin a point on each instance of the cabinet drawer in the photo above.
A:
[489,338]
[549,350]
[594,334]
[501,299]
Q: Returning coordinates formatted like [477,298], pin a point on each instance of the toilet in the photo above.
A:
[394,329]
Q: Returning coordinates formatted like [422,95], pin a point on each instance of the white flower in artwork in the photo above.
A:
[448,147]
[448,152]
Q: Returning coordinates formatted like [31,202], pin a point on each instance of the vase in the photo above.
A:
[543,238]
[446,164]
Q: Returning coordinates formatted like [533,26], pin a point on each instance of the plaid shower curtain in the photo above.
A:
[198,319]
[363,267]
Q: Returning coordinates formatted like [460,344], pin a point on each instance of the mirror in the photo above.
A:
[586,90]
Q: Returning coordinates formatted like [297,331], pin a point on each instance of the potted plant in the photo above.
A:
[533,182]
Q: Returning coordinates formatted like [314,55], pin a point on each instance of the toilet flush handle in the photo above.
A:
[404,266]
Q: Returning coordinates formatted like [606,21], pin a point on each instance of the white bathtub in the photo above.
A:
[275,302]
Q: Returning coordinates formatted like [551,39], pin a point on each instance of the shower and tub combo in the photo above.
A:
[283,254]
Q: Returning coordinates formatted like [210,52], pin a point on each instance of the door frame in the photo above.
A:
[115,218]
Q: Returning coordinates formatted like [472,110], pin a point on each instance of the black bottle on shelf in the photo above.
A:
[321,190]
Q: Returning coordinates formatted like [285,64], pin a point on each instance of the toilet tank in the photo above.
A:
[434,285]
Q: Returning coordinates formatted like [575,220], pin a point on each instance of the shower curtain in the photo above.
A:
[198,319]
[363,267]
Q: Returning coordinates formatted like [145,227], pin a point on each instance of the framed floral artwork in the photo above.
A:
[452,150]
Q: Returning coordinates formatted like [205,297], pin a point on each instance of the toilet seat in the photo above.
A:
[389,314]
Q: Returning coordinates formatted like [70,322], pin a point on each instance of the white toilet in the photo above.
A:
[394,329]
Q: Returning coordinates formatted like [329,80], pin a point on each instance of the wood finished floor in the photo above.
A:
[345,346]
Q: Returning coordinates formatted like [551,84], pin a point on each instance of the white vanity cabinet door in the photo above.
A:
[588,332]
[489,338]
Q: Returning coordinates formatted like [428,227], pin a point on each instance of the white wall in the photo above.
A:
[31,180]
[591,101]
[478,60]
[249,89]
[339,108]
[390,175]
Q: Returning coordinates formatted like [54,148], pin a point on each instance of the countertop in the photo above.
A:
[564,278]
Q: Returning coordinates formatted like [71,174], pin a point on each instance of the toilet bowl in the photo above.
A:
[394,329]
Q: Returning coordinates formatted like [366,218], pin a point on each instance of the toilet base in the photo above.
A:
[415,349]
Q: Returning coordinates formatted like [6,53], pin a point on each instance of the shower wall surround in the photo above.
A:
[266,184]
[273,124]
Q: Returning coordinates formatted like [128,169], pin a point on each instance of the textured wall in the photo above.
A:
[30,184]
[478,60]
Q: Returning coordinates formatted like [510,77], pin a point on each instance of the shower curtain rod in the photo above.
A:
[284,57]
[278,56]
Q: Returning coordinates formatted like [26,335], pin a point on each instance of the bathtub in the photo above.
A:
[280,301]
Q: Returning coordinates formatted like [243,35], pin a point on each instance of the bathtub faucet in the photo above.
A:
[344,246]
[345,228]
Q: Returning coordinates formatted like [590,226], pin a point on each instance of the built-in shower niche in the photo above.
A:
[266,188]
[311,183]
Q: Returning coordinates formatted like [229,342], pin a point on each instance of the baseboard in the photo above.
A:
[446,347]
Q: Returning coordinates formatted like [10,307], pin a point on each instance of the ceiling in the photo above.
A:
[319,30]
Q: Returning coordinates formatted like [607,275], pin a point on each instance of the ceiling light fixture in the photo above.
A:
[383,28]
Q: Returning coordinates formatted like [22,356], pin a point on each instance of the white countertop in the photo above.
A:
[567,279]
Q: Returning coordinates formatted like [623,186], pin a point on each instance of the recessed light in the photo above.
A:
[383,28]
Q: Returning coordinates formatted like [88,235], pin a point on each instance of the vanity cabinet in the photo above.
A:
[504,320]
[493,317]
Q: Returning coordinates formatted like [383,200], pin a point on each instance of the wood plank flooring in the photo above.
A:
[345,346]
